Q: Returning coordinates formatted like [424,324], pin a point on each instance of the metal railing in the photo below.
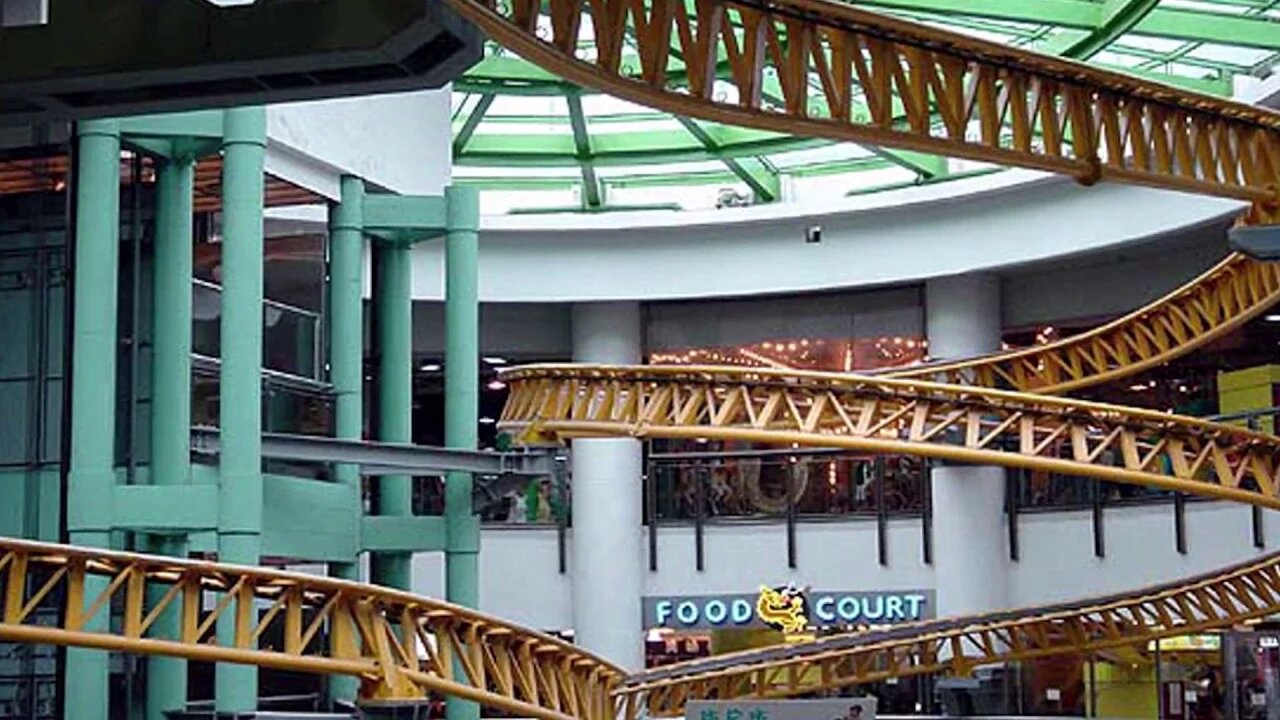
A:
[292,338]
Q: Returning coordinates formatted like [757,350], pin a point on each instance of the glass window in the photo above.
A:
[837,331]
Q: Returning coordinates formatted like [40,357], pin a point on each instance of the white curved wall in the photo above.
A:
[980,224]
[520,579]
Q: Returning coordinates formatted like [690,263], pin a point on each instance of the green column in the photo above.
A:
[393,314]
[240,385]
[461,403]
[346,362]
[91,475]
[171,398]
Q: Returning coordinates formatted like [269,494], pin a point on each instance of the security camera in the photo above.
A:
[813,234]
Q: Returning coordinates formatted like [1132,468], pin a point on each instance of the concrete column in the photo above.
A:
[393,314]
[970,554]
[240,496]
[171,399]
[91,476]
[607,541]
[346,358]
[461,404]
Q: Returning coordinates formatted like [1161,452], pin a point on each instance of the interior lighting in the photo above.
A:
[430,367]
[496,385]
[494,360]
[487,421]
[1273,318]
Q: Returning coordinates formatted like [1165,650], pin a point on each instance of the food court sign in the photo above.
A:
[788,609]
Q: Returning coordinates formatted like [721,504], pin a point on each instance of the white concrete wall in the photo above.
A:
[990,223]
[1108,283]
[313,143]
[520,579]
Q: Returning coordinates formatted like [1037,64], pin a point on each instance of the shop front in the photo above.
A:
[688,627]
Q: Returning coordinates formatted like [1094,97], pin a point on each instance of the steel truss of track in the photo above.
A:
[848,74]
[401,646]
[948,422]
[958,646]
[1219,301]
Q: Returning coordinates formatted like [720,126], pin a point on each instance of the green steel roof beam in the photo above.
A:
[1116,17]
[757,174]
[591,195]
[463,136]
[1177,23]
[928,167]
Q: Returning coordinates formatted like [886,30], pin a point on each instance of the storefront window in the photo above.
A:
[751,483]
[839,332]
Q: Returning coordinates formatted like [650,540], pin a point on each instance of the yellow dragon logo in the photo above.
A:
[783,608]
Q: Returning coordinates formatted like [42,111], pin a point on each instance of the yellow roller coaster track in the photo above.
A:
[966,424]
[1219,301]
[959,645]
[899,84]
[401,646]
[879,81]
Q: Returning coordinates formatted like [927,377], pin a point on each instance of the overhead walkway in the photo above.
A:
[881,81]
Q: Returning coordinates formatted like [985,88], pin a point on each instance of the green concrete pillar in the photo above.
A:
[171,398]
[461,403]
[394,317]
[240,495]
[346,363]
[91,475]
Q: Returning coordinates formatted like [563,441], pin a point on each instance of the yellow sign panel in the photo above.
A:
[1188,642]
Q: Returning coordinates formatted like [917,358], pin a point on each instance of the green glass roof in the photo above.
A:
[533,142]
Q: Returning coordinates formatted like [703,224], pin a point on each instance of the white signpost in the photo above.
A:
[749,709]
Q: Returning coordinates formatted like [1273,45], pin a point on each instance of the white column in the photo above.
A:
[607,540]
[970,551]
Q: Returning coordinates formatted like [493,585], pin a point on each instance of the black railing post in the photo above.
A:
[1011,486]
[882,512]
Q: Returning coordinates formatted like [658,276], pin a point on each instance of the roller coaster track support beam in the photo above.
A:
[240,490]
[93,386]
[346,363]
[171,394]
[461,404]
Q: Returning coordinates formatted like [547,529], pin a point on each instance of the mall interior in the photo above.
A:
[219,322]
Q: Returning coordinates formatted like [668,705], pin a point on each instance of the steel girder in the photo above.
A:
[400,645]
[1230,294]
[995,103]
[958,645]
[946,422]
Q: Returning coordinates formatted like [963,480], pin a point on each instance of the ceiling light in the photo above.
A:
[1275,318]
[487,421]
[496,360]
[497,385]
[430,367]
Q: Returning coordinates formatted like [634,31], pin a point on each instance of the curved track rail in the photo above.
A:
[1225,297]
[1221,599]
[948,422]
[400,645]
[827,69]
[878,81]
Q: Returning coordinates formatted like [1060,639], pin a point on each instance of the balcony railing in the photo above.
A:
[291,339]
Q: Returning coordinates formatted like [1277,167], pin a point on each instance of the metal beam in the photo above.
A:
[468,128]
[1118,18]
[591,195]
[386,458]
[754,171]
